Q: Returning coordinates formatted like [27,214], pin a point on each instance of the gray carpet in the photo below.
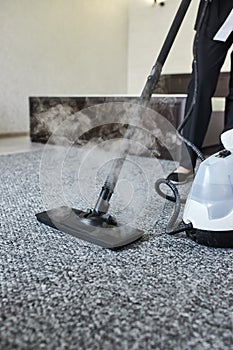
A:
[58,292]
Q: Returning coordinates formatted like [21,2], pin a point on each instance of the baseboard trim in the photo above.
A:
[13,134]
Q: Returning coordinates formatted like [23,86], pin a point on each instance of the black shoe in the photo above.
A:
[180,178]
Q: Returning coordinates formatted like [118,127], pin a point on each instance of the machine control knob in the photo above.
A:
[223,154]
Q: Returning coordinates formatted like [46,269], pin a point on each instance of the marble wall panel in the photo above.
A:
[48,113]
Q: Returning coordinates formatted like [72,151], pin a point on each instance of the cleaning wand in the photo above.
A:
[102,203]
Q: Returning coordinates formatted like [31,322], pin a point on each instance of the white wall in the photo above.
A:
[82,47]
[148,27]
[59,47]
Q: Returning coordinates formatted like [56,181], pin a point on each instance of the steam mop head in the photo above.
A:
[102,231]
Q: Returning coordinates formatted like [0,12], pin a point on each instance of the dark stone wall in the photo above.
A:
[47,113]
[178,84]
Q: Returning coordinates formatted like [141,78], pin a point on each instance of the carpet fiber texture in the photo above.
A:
[58,292]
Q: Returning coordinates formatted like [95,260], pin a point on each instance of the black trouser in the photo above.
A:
[210,58]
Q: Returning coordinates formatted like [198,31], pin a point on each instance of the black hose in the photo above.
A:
[172,187]
[176,198]
[171,229]
[189,112]
[195,68]
[180,228]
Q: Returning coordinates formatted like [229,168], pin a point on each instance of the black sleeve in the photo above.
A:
[216,14]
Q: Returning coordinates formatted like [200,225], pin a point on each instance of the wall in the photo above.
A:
[148,27]
[80,47]
[59,47]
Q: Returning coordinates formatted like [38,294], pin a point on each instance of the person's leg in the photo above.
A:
[210,58]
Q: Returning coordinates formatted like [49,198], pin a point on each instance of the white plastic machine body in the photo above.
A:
[209,205]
